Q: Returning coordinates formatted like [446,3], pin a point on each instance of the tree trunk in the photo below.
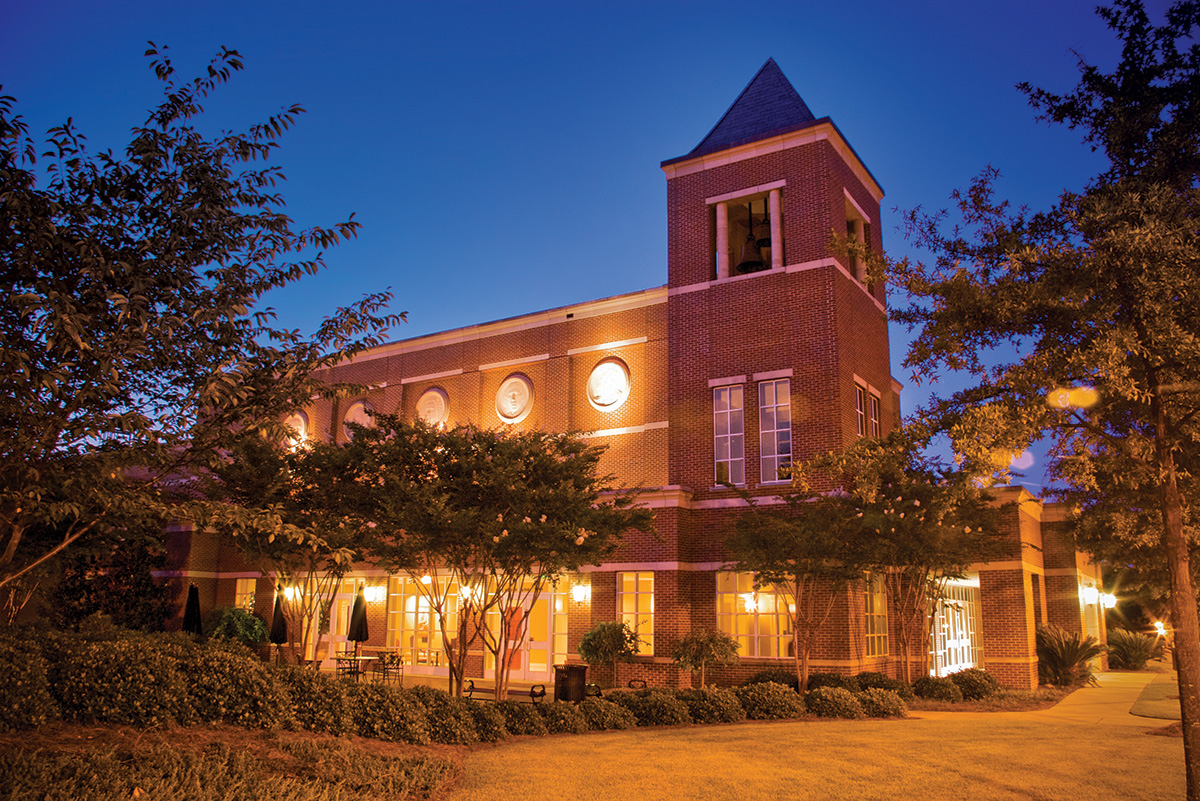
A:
[1184,616]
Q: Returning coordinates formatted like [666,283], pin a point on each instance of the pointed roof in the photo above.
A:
[768,106]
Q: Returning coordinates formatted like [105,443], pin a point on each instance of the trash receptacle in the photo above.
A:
[570,682]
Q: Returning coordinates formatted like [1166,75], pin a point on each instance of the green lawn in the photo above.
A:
[971,757]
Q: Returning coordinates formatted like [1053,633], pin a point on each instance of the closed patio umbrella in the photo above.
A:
[358,622]
[279,632]
[191,612]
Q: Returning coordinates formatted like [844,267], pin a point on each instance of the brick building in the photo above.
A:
[763,346]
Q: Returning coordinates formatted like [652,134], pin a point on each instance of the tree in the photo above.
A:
[119,583]
[135,344]
[1098,292]
[490,517]
[608,643]
[807,550]
[702,648]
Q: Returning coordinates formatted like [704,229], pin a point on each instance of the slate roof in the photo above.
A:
[768,106]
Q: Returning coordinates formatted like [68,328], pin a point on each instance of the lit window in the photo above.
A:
[244,594]
[775,430]
[860,410]
[873,415]
[761,621]
[635,604]
[875,616]
[728,436]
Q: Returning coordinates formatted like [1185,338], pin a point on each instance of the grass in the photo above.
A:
[954,757]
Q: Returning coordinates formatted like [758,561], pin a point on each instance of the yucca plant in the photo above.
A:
[1063,656]
[1128,650]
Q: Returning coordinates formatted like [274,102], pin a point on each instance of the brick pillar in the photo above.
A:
[1007,627]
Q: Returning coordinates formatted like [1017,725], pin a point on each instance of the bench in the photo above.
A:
[592,690]
[535,693]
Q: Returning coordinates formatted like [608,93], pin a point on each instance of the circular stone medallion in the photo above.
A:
[432,406]
[514,399]
[608,385]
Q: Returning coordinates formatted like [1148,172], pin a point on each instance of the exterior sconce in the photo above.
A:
[1109,600]
[375,594]
[291,593]
[1089,594]
[581,593]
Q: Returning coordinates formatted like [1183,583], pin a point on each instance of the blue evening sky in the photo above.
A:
[503,158]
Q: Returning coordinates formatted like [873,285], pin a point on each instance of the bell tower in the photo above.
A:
[778,345]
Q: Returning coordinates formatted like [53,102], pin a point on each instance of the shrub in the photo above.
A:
[770,701]
[563,718]
[489,722]
[117,681]
[232,623]
[702,648]
[833,702]
[871,679]
[521,718]
[601,715]
[386,713]
[227,686]
[708,705]
[775,676]
[609,643]
[318,702]
[1128,650]
[975,683]
[937,688]
[816,680]
[877,702]
[653,707]
[1063,657]
[25,699]
[450,719]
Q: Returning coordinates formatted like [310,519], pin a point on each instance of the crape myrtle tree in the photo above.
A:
[806,550]
[922,524]
[285,507]
[498,515]
[1099,294]
[134,342]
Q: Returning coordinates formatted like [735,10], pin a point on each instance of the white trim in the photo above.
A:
[753,190]
[767,376]
[824,131]
[732,380]
[629,567]
[606,346]
[612,432]
[700,286]
[431,376]
[733,503]
[865,217]
[514,362]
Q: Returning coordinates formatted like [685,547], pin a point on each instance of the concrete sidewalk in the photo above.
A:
[1108,704]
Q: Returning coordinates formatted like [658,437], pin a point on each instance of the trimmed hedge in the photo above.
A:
[833,702]
[386,713]
[869,679]
[775,676]
[877,702]
[521,719]
[975,683]
[603,715]
[25,698]
[319,703]
[816,680]
[652,707]
[770,701]
[563,717]
[937,688]
[451,721]
[709,705]
[489,722]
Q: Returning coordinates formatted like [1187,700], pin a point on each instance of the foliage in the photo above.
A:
[701,648]
[229,685]
[652,707]
[806,550]
[604,715]
[975,683]
[318,702]
[1064,657]
[868,679]
[777,676]
[1080,320]
[833,702]
[232,623]
[136,346]
[117,581]
[769,701]
[450,719]
[521,719]
[938,688]
[877,702]
[833,680]
[711,705]
[608,643]
[116,681]
[489,722]
[563,717]
[1129,650]
[388,713]
[298,771]
[25,698]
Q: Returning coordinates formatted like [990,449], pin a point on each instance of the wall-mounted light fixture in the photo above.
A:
[581,593]
[1089,594]
[375,594]
[1109,600]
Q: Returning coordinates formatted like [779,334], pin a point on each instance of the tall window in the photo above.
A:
[775,430]
[760,621]
[728,436]
[860,410]
[875,616]
[244,594]
[873,415]
[635,603]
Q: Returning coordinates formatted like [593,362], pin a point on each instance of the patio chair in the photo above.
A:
[346,665]
[387,668]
